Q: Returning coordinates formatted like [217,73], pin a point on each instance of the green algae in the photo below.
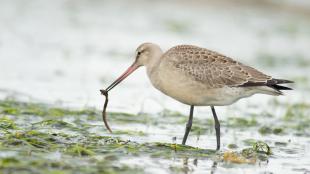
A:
[54,124]
[56,130]
[54,135]
[264,130]
[129,132]
[170,113]
[29,138]
[120,117]
[37,164]
[260,151]
[35,144]
[198,129]
[6,123]
[261,147]
[232,146]
[241,122]
[278,130]
[257,147]
[168,150]
[297,111]
[296,118]
[79,150]
[12,107]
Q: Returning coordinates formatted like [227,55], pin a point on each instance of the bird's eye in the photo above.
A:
[138,54]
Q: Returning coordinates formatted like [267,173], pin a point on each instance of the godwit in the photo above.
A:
[200,77]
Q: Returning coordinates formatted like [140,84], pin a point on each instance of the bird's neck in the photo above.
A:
[153,67]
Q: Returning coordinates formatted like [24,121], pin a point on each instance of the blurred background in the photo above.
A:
[64,51]
[61,52]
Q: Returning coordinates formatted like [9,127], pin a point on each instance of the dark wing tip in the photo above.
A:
[272,83]
[278,81]
[279,87]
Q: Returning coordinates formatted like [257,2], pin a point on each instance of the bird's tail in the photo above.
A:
[274,83]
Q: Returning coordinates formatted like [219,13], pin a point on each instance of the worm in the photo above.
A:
[104,111]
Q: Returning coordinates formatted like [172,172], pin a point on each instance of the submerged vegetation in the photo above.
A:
[37,138]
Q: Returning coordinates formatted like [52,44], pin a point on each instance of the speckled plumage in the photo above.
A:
[211,68]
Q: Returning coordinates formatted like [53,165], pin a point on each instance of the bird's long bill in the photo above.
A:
[131,69]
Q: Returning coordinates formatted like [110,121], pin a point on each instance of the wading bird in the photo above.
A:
[200,77]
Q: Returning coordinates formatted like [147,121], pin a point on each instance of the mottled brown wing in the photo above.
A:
[211,68]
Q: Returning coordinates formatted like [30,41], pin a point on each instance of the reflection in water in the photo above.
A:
[195,162]
[187,169]
[185,166]
[214,167]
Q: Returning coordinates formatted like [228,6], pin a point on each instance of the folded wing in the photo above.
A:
[216,70]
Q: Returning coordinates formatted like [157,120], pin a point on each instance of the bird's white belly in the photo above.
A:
[207,97]
[192,92]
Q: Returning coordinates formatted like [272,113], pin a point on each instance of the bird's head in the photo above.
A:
[146,55]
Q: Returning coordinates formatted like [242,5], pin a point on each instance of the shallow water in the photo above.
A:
[62,60]
[73,141]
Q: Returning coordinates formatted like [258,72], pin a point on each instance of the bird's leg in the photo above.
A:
[217,129]
[188,125]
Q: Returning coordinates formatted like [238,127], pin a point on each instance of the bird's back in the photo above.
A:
[214,69]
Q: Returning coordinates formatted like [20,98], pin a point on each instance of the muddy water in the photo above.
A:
[62,53]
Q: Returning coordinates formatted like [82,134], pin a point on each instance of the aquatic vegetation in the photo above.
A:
[269,130]
[258,152]
[297,118]
[68,143]
[241,122]
[129,132]
[232,146]
[79,150]
[297,111]
[198,129]
[65,141]
[262,147]
[129,118]
[234,157]
[6,123]
[12,107]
